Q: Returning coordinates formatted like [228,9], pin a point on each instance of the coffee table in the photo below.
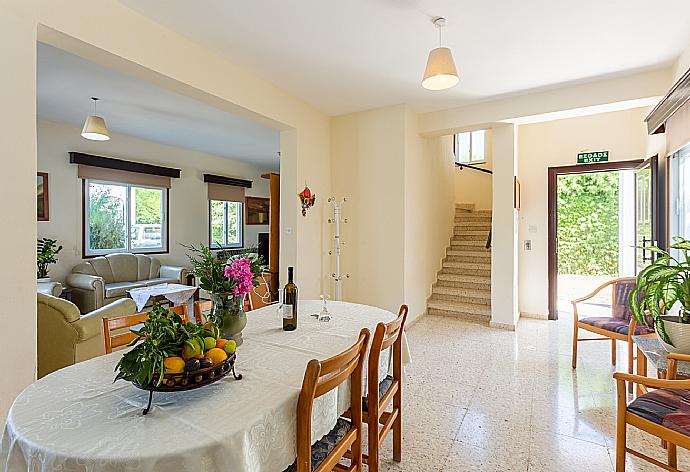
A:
[177,294]
[650,349]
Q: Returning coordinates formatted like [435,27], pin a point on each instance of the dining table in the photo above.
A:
[79,419]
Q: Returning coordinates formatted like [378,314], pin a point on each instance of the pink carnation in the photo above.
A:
[240,271]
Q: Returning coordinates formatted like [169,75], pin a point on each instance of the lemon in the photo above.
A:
[217,355]
[209,343]
[230,347]
[173,365]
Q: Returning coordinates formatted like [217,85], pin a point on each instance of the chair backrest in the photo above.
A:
[320,378]
[201,307]
[620,302]
[111,341]
[260,295]
[386,335]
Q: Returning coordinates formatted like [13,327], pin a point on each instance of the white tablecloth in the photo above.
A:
[176,293]
[76,419]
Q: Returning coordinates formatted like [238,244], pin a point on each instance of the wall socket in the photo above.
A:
[528,244]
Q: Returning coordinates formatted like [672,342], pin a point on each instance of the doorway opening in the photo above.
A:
[601,219]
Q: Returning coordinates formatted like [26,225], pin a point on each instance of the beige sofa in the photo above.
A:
[102,280]
[65,337]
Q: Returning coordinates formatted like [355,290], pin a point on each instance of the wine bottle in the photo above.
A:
[290,303]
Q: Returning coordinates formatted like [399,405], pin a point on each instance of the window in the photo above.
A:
[124,218]
[470,147]
[225,224]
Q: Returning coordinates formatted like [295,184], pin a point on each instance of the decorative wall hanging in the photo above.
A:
[307,199]
[42,196]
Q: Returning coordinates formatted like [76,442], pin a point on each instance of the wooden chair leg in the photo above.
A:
[630,365]
[672,457]
[613,351]
[575,328]
[373,439]
[621,408]
[397,428]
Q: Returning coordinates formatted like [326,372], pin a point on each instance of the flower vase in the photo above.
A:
[228,314]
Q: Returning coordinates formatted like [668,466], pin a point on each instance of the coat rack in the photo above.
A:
[337,244]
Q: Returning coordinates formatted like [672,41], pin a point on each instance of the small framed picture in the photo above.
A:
[42,196]
[257,210]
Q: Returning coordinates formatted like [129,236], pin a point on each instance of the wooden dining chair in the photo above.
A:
[380,393]
[201,307]
[111,341]
[320,378]
[662,412]
[260,296]
[620,326]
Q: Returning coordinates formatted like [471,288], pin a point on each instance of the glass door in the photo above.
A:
[646,227]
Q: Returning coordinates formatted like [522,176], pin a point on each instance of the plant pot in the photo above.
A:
[43,280]
[228,314]
[678,333]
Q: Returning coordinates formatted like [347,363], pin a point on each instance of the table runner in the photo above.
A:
[76,419]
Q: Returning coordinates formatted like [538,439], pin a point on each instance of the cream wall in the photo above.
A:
[556,143]
[472,186]
[188,204]
[116,36]
[18,199]
[400,206]
[429,212]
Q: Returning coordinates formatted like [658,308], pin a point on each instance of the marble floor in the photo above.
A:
[482,399]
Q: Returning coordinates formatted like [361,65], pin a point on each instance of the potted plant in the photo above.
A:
[46,252]
[661,285]
[228,282]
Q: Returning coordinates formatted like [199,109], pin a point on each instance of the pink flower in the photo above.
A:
[240,271]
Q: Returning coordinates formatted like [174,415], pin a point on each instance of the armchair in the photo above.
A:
[65,337]
[620,326]
[661,412]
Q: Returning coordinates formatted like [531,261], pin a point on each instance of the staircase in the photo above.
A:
[463,285]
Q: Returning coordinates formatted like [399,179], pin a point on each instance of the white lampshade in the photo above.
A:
[440,72]
[95,129]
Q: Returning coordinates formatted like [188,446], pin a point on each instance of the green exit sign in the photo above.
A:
[590,157]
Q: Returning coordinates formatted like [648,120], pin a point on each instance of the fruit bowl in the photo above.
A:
[180,382]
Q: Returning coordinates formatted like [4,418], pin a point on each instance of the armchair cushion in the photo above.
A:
[614,325]
[161,280]
[667,407]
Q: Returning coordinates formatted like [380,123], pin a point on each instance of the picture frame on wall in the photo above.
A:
[42,206]
[257,210]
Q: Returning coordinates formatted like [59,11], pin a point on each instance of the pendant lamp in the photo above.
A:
[94,126]
[440,72]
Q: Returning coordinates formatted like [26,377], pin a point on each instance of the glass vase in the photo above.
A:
[228,314]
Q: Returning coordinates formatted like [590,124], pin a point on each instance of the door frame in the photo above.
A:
[553,173]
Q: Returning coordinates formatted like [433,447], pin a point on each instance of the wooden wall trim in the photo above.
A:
[119,164]
[222,180]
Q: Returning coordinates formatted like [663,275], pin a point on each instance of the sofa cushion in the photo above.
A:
[143,267]
[670,408]
[160,280]
[614,325]
[119,289]
[155,269]
[124,267]
[101,266]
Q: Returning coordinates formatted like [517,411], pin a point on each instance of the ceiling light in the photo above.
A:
[440,72]
[94,126]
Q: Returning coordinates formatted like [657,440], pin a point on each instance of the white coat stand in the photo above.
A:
[337,244]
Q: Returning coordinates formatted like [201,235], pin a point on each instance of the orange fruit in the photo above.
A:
[220,343]
[174,365]
[216,355]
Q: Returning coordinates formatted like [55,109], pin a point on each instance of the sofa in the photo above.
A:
[66,337]
[49,288]
[102,280]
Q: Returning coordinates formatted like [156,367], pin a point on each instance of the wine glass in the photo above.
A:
[325,314]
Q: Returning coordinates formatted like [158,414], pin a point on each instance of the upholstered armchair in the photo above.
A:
[102,280]
[66,337]
[49,288]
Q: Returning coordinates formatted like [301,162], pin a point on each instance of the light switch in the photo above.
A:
[528,244]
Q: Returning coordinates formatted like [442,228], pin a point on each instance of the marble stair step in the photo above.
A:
[465,207]
[478,225]
[464,295]
[466,279]
[484,265]
[459,309]
[462,285]
[467,272]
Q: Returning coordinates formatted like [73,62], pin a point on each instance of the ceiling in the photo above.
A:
[130,106]
[344,56]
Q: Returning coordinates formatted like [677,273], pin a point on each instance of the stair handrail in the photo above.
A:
[488,241]
[469,166]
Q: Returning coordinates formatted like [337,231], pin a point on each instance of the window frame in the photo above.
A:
[456,148]
[240,214]
[165,221]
